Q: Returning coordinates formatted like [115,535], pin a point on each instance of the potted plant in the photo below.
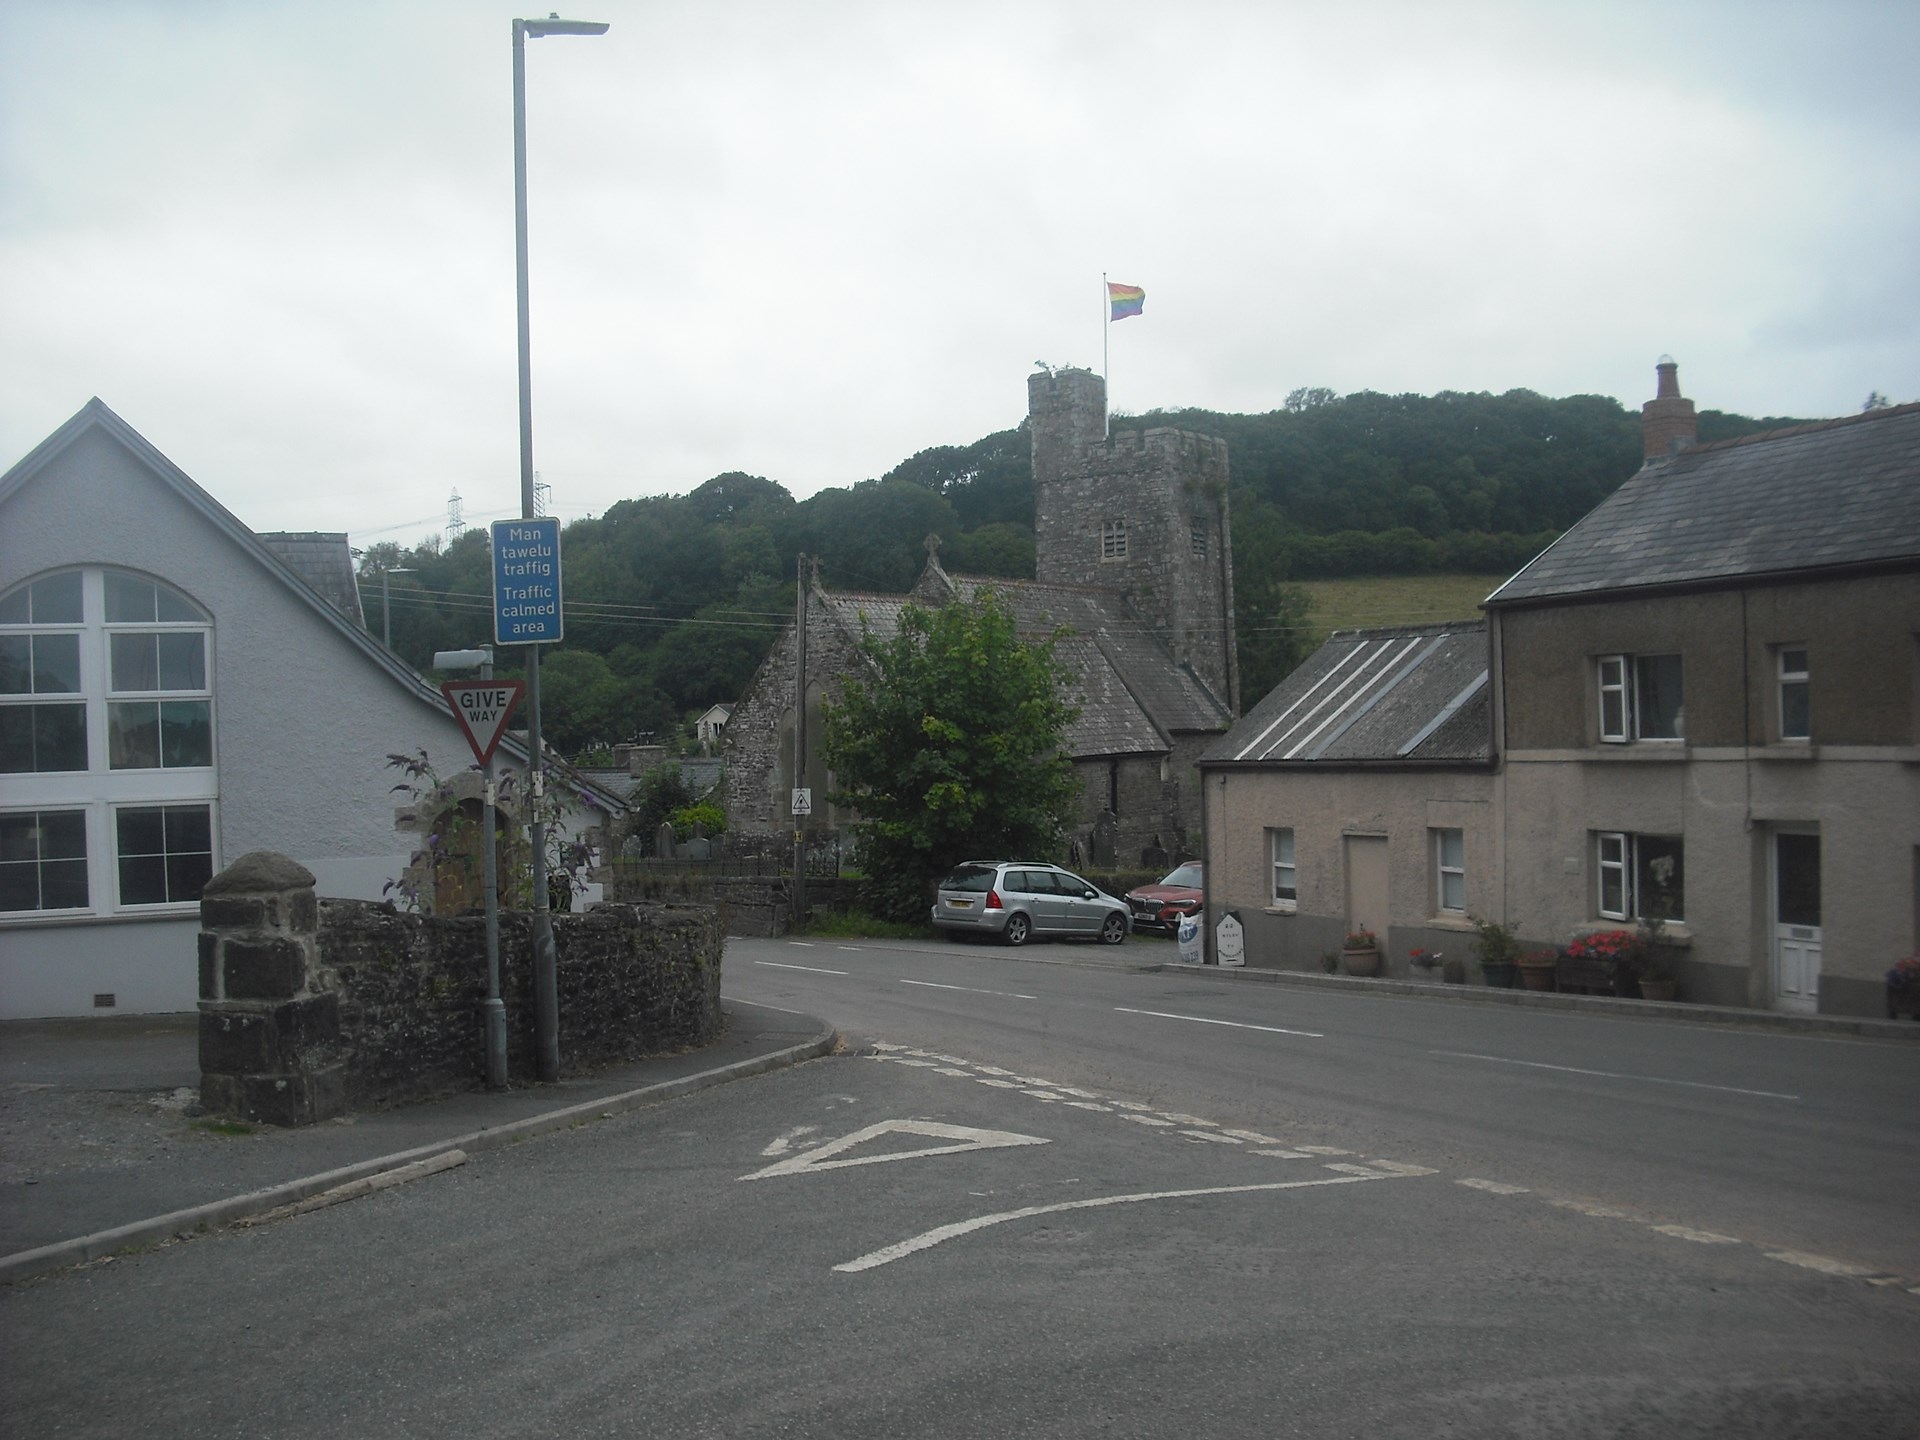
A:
[1498,950]
[1903,987]
[1537,968]
[1608,961]
[1360,952]
[1423,961]
[1657,980]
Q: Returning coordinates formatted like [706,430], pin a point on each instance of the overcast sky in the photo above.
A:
[806,240]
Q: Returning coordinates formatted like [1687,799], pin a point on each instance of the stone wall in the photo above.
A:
[311,1008]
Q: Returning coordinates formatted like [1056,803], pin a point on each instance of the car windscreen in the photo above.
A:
[1187,875]
[973,879]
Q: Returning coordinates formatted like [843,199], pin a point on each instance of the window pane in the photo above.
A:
[1660,877]
[136,663]
[56,664]
[63,835]
[15,606]
[63,885]
[186,733]
[56,599]
[1453,891]
[19,838]
[1793,711]
[187,876]
[1453,848]
[19,886]
[16,664]
[183,664]
[189,827]
[141,831]
[143,880]
[1658,696]
[133,736]
[60,737]
[1798,879]
[175,607]
[128,599]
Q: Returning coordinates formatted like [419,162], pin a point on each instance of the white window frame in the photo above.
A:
[1282,867]
[39,860]
[1622,693]
[1617,857]
[99,791]
[1113,540]
[1793,677]
[1442,871]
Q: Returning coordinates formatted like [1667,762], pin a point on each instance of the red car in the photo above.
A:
[1159,906]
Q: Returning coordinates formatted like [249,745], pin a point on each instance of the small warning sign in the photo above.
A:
[482,707]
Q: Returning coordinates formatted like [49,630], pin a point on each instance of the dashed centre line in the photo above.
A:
[1614,1075]
[1003,994]
[810,969]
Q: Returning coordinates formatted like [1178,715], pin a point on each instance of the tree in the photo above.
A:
[951,748]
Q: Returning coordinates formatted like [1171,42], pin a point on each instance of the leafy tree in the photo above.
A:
[951,748]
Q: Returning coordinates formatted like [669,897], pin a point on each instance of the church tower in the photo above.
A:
[1144,513]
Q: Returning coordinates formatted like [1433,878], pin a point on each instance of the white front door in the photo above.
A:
[1796,921]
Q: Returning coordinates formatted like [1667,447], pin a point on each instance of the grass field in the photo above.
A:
[1395,600]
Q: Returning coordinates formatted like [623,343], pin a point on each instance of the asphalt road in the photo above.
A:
[1062,1199]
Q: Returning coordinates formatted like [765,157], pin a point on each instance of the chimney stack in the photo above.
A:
[1667,422]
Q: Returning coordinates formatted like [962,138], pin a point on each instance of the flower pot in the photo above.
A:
[1361,962]
[1658,989]
[1454,972]
[1500,974]
[1903,999]
[1536,977]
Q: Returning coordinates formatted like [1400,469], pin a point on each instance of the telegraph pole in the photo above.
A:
[800,744]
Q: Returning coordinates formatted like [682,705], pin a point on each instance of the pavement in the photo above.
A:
[103,1149]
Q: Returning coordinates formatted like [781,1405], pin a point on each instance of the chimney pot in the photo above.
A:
[1667,422]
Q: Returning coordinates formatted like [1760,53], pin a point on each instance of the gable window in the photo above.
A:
[107,745]
[1641,877]
[1642,697]
[1286,893]
[1197,533]
[40,660]
[1790,663]
[1450,871]
[1113,539]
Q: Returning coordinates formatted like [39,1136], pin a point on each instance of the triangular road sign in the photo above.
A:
[962,1137]
[482,708]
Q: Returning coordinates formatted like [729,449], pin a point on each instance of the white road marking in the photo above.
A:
[1214,1135]
[964,1137]
[785,1142]
[1179,1119]
[887,1254]
[1699,1237]
[1233,1024]
[1587,1207]
[1819,1263]
[1092,1105]
[1614,1075]
[1400,1167]
[1285,1154]
[953,1070]
[1003,994]
[997,1084]
[1323,1150]
[1148,1120]
[1493,1187]
[810,969]
[1252,1137]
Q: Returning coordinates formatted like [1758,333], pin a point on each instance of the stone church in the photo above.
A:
[1134,558]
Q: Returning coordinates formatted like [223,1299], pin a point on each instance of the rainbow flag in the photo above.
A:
[1125,300]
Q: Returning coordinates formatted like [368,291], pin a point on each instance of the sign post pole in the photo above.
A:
[483,709]
[526,611]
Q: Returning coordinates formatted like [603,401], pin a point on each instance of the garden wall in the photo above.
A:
[312,1008]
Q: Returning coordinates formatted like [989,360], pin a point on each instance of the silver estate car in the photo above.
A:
[1017,899]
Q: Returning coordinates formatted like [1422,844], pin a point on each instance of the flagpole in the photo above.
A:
[1106,330]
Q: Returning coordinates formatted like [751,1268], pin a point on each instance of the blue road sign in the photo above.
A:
[526,581]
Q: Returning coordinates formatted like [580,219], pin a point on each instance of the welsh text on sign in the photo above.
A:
[526,581]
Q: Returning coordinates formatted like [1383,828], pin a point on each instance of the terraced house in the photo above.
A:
[1701,704]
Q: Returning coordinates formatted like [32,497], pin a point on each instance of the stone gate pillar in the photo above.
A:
[269,1029]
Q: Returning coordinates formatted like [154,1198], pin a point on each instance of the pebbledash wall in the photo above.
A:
[310,1008]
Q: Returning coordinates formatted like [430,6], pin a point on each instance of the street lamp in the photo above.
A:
[546,1001]
[386,603]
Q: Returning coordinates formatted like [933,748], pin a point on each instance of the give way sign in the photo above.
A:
[482,708]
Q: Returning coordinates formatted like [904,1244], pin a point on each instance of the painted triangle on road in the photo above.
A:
[962,1138]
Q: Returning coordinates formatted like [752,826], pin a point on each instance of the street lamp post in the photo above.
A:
[546,1001]
[386,603]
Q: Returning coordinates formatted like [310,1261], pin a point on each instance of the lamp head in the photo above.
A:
[554,25]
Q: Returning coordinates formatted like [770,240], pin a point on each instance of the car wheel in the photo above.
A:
[1018,928]
[1114,931]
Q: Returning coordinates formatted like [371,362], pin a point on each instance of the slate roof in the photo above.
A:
[1836,494]
[325,562]
[1133,698]
[1403,694]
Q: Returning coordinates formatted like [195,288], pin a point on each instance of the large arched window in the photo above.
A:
[106,746]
